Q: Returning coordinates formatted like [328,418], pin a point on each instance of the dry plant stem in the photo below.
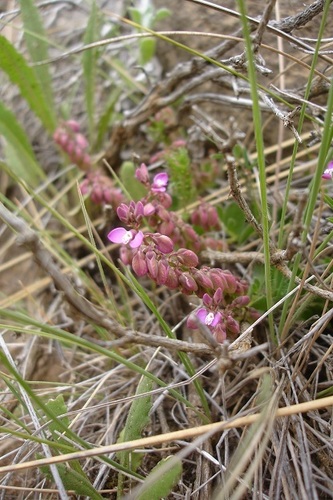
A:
[278,257]
[208,430]
[175,85]
[257,39]
[286,118]
[30,240]
[291,23]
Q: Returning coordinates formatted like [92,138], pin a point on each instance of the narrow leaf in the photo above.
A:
[127,175]
[37,44]
[18,152]
[137,419]
[163,481]
[147,50]
[18,71]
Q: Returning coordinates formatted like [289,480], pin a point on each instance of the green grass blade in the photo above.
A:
[260,157]
[40,404]
[89,60]
[106,118]
[37,44]
[47,331]
[22,75]
[18,151]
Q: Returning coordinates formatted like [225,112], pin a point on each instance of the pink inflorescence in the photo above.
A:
[160,255]
[73,143]
[101,190]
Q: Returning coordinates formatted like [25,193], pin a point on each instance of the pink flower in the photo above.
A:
[208,317]
[328,172]
[160,183]
[121,235]
[205,316]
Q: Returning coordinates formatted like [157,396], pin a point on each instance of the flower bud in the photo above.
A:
[165,199]
[241,301]
[123,212]
[187,283]
[162,273]
[187,257]
[166,228]
[139,264]
[172,279]
[231,282]
[218,297]
[207,300]
[163,243]
[81,141]
[152,264]
[96,194]
[232,326]
[203,280]
[126,255]
[192,321]
[217,278]
[142,174]
[73,125]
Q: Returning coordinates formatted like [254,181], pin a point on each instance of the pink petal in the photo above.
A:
[137,240]
[160,182]
[161,179]
[117,235]
[216,320]
[328,172]
[202,314]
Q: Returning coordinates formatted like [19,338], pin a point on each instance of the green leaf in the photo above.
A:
[37,45]
[135,15]
[89,59]
[127,176]
[161,14]
[235,223]
[166,478]
[18,71]
[329,201]
[18,152]
[137,419]
[58,407]
[73,480]
[147,50]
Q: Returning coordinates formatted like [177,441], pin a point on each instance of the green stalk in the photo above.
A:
[315,184]
[256,113]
